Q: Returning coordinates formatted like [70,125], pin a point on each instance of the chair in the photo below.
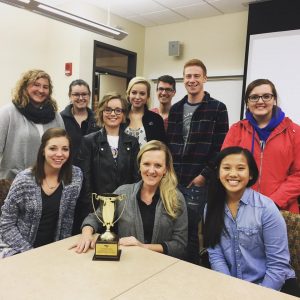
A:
[293,230]
[4,188]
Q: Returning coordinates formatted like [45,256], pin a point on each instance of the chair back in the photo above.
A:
[4,188]
[293,230]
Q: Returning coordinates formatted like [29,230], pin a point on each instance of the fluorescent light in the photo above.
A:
[68,18]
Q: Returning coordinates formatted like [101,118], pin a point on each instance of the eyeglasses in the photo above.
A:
[77,95]
[264,97]
[109,110]
[167,90]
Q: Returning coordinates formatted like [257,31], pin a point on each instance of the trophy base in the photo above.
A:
[107,250]
[107,257]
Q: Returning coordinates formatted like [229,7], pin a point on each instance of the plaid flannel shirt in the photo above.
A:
[209,125]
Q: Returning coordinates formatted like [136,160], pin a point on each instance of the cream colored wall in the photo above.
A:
[218,41]
[31,41]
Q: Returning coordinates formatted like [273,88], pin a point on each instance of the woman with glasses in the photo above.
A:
[108,157]
[142,123]
[274,141]
[78,117]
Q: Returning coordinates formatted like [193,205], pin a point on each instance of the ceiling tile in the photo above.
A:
[176,3]
[165,17]
[229,6]
[198,11]
[157,12]
[142,20]
[138,6]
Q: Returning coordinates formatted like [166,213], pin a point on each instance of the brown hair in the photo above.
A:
[78,82]
[259,82]
[20,95]
[38,170]
[103,104]
[195,62]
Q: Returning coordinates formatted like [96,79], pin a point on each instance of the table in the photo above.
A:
[54,272]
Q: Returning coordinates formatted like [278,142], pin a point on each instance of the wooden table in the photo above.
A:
[54,272]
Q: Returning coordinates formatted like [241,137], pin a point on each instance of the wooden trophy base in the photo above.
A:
[107,250]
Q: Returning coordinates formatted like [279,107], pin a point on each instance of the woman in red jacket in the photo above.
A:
[274,140]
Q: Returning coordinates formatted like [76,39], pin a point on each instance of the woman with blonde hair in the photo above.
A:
[23,122]
[142,123]
[107,157]
[155,216]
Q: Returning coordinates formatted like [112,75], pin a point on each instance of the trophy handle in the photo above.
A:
[122,197]
[102,222]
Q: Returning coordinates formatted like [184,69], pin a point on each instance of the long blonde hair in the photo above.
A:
[20,95]
[168,183]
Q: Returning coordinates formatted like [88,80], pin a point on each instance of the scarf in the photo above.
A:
[40,115]
[264,133]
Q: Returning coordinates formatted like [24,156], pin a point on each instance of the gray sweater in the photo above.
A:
[19,140]
[173,232]
[22,210]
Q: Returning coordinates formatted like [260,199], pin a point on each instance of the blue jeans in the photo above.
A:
[195,198]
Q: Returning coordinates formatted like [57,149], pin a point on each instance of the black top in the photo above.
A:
[50,212]
[74,130]
[154,126]
[101,172]
[148,217]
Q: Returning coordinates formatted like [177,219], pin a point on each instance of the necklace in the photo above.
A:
[51,187]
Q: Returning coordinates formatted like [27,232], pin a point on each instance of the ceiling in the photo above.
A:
[158,12]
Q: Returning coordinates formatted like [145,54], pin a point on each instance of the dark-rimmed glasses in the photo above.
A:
[167,90]
[264,97]
[109,110]
[78,95]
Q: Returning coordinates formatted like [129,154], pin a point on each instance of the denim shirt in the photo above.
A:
[256,246]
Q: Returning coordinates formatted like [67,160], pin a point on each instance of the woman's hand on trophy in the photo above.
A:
[130,241]
[86,240]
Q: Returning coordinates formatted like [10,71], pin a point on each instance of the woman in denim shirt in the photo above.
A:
[244,231]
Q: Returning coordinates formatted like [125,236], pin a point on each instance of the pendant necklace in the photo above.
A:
[51,187]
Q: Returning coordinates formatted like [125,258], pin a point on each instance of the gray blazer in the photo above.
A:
[173,232]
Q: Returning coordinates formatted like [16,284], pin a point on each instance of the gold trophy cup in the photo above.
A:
[107,246]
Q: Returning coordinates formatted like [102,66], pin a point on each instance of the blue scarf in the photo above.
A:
[264,133]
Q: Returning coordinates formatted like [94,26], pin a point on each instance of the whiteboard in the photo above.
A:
[227,89]
[276,56]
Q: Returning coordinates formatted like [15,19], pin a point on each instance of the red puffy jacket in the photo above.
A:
[278,162]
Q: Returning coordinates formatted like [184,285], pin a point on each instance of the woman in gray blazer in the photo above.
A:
[155,215]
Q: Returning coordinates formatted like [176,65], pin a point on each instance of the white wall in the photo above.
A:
[275,56]
[31,41]
[218,41]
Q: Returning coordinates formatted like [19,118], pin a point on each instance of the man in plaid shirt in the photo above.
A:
[196,129]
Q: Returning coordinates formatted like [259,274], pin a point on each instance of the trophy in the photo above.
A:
[107,246]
